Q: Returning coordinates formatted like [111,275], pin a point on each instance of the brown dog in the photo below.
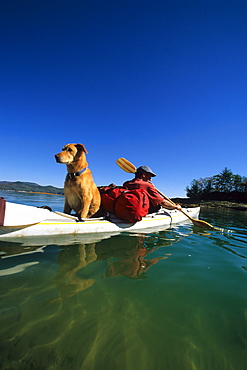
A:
[80,190]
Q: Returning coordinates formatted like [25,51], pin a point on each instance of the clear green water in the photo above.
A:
[172,300]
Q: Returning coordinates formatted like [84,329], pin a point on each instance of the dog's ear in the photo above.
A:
[81,147]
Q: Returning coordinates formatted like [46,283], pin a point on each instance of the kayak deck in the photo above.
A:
[62,224]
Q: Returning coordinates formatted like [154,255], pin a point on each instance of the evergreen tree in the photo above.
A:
[224,181]
[194,190]
[237,183]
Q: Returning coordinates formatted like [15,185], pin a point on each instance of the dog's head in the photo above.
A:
[71,153]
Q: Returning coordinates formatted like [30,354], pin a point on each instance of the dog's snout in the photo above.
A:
[57,157]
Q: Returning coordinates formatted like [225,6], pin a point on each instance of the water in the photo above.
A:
[171,300]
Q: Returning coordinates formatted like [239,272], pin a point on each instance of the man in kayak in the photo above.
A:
[142,180]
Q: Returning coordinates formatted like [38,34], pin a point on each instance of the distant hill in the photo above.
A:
[29,187]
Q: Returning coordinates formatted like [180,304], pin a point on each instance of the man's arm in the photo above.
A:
[168,205]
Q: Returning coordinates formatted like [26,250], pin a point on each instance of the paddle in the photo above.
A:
[66,215]
[76,218]
[129,167]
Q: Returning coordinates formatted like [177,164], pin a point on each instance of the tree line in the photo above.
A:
[225,182]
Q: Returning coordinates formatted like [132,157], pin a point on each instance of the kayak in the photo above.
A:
[18,221]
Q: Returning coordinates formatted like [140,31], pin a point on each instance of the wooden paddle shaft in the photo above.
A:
[66,215]
[163,195]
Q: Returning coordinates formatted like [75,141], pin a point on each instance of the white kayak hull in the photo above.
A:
[61,224]
[13,214]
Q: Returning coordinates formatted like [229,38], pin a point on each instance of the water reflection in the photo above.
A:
[71,260]
[233,241]
[125,255]
[225,218]
[129,301]
[88,304]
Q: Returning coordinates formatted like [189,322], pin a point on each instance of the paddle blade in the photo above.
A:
[125,165]
[204,224]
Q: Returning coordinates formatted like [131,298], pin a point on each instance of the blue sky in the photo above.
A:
[161,83]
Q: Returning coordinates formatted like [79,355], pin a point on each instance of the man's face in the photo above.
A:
[146,176]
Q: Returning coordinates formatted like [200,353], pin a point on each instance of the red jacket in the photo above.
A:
[154,197]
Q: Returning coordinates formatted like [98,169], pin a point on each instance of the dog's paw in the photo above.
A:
[46,207]
[79,219]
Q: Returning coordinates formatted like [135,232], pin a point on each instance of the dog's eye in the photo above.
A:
[66,149]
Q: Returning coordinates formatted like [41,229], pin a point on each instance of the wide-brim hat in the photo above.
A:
[145,169]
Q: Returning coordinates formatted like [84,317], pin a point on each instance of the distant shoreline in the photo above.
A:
[31,192]
[239,206]
[183,201]
[30,187]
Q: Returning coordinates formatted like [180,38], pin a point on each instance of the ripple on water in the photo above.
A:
[169,300]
